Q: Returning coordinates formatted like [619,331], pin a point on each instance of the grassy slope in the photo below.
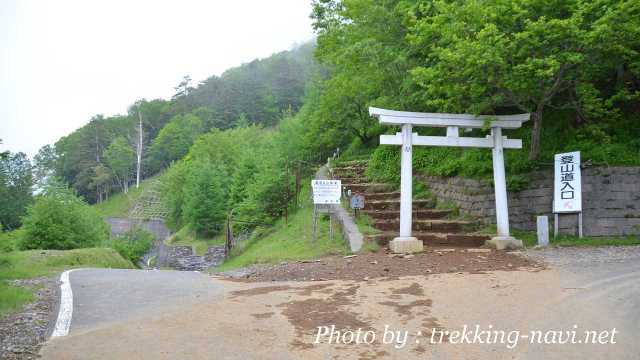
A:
[292,241]
[35,263]
[118,205]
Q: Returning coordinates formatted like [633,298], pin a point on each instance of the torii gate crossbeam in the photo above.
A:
[405,243]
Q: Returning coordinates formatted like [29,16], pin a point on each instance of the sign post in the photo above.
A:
[405,242]
[326,194]
[567,188]
[357,202]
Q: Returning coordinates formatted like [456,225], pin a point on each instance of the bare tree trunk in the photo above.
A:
[139,149]
[534,151]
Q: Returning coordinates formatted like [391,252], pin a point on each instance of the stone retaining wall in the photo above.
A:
[610,200]
[120,226]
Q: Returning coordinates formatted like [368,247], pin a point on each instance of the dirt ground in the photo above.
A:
[382,264]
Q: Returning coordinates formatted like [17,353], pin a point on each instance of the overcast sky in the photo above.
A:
[63,61]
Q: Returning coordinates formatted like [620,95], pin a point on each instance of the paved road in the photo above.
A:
[602,291]
[102,297]
[168,315]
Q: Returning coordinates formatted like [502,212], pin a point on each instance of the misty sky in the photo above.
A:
[63,61]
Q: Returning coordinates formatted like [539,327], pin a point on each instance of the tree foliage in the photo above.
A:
[59,219]
[16,186]
[480,57]
[120,157]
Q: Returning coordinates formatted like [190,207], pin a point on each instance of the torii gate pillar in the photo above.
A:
[405,243]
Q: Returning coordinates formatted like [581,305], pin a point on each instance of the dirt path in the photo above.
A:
[280,320]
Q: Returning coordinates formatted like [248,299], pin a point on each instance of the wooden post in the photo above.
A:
[315,217]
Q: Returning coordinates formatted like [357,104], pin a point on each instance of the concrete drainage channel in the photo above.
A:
[182,258]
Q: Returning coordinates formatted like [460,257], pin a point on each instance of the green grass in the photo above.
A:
[292,241]
[365,225]
[530,239]
[187,237]
[12,298]
[35,263]
[118,204]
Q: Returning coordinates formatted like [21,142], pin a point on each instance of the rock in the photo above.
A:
[349,256]
[408,256]
[479,250]
[284,263]
[374,262]
[447,250]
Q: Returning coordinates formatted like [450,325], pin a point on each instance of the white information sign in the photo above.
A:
[326,191]
[567,184]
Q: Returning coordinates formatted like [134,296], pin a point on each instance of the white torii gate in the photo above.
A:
[405,243]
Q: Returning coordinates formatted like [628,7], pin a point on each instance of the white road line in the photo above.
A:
[66,307]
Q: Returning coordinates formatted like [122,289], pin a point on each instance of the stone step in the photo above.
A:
[363,163]
[348,171]
[395,195]
[352,180]
[434,238]
[440,226]
[368,187]
[395,204]
[425,214]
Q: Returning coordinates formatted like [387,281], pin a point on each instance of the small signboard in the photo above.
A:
[567,189]
[326,191]
[357,201]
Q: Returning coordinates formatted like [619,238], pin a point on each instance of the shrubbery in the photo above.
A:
[133,245]
[61,220]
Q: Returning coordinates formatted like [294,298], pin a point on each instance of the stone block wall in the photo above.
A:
[120,226]
[610,200]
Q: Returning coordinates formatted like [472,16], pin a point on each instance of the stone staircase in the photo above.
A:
[434,227]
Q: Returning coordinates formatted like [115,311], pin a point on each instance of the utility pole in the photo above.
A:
[139,150]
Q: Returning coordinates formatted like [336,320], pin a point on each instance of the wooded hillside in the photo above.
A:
[241,143]
[100,157]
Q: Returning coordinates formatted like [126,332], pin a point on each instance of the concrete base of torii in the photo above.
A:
[504,243]
[406,245]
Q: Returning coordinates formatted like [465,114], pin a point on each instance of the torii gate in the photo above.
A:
[405,243]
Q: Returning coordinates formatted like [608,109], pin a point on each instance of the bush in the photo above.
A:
[60,220]
[133,245]
[9,240]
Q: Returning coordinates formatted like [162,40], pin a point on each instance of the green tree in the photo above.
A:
[121,160]
[16,186]
[44,165]
[174,140]
[59,219]
[205,198]
[526,56]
